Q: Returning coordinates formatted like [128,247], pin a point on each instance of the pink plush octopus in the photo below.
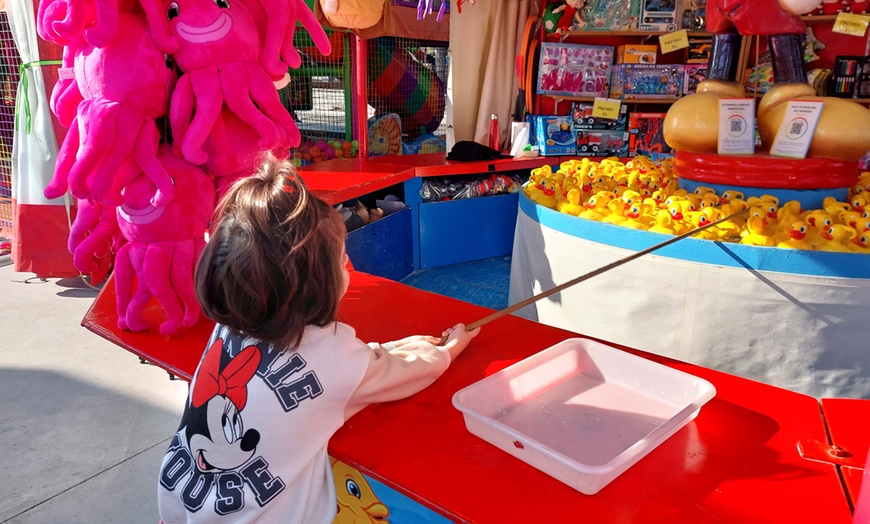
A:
[229,59]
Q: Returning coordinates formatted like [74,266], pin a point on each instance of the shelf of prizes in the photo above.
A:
[413,460]
[779,294]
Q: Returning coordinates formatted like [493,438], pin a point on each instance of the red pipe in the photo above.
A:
[361,97]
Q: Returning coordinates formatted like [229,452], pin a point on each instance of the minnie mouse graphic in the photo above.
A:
[215,433]
[213,452]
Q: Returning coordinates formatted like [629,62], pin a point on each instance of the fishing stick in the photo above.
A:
[544,294]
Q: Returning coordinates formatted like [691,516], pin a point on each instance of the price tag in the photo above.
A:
[851,24]
[736,126]
[796,131]
[606,108]
[673,41]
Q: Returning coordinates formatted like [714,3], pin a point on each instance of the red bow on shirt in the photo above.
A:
[232,383]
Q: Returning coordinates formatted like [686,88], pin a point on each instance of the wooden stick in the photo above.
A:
[544,294]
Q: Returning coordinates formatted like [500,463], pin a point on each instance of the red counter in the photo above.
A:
[736,462]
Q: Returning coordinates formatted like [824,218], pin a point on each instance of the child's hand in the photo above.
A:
[457,338]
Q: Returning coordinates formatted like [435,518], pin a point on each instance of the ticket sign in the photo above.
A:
[851,24]
[606,108]
[796,131]
[673,41]
[736,126]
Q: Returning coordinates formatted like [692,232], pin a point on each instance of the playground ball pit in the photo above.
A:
[313,150]
[645,195]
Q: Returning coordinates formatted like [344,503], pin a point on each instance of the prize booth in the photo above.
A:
[710,381]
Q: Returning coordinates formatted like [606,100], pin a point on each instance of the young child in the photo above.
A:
[280,375]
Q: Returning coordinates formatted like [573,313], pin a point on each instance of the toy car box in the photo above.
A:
[574,69]
[602,142]
[636,54]
[583,119]
[693,74]
[555,135]
[646,137]
[647,81]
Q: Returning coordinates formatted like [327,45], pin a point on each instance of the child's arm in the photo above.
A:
[402,368]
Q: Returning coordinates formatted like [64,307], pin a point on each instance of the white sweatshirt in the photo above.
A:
[252,442]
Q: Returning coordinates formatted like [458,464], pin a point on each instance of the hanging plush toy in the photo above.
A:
[122,90]
[117,89]
[163,243]
[222,56]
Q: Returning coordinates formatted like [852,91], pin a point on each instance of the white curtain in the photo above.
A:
[484,44]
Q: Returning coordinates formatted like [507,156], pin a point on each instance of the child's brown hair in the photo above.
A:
[273,263]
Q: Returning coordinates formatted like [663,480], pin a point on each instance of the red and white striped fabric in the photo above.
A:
[41,226]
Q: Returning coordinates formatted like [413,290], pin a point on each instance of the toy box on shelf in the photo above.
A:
[846,74]
[636,54]
[609,15]
[693,74]
[602,142]
[659,15]
[555,135]
[699,49]
[694,15]
[647,81]
[583,119]
[574,69]
[646,137]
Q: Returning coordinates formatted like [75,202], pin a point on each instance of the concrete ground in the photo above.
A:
[84,425]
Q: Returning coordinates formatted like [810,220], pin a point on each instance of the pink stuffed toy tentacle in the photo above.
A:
[312,25]
[124,277]
[156,272]
[235,84]
[65,95]
[142,295]
[208,109]
[181,276]
[158,25]
[126,132]
[266,98]
[146,157]
[97,121]
[277,28]
[72,27]
[49,12]
[105,26]
[181,107]
[66,157]
[96,241]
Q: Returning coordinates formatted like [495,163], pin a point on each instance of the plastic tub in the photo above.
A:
[581,411]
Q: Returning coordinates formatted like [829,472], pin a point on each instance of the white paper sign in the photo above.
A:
[796,131]
[736,126]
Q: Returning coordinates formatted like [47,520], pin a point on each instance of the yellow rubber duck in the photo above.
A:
[638,217]
[837,236]
[572,205]
[617,212]
[596,207]
[833,207]
[754,235]
[860,202]
[818,220]
[797,237]
[663,223]
[860,244]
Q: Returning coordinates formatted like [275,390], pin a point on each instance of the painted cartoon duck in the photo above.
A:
[357,501]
